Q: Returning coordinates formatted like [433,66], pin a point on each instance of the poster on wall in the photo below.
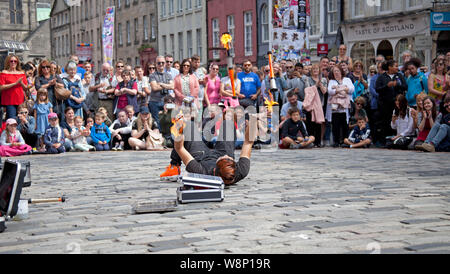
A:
[290,31]
[108,36]
[84,52]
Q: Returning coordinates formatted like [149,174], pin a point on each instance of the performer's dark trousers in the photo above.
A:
[198,149]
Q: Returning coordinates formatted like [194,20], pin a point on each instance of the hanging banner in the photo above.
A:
[108,36]
[84,52]
[290,32]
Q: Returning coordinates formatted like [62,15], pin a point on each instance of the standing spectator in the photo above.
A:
[250,86]
[30,73]
[176,65]
[340,90]
[117,78]
[372,73]
[72,83]
[131,70]
[168,68]
[42,108]
[406,57]
[372,112]
[292,102]
[346,68]
[160,82]
[104,89]
[151,68]
[88,68]
[89,105]
[200,73]
[297,84]
[143,87]
[417,81]
[360,80]
[49,81]
[80,71]
[343,57]
[436,81]
[226,91]
[26,126]
[185,84]
[125,93]
[212,94]
[388,86]
[13,82]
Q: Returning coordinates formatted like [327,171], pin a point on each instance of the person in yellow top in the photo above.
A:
[437,82]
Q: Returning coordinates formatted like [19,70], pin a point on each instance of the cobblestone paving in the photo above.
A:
[307,201]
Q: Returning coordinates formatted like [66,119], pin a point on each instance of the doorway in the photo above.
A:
[385,49]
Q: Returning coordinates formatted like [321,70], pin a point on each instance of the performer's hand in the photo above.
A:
[179,142]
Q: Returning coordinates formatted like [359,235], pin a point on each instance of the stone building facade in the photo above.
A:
[182,29]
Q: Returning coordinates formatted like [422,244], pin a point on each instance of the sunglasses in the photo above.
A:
[267,71]
[23,112]
[215,69]
[289,67]
[119,66]
[151,67]
[161,63]
[247,65]
[46,67]
[186,65]
[12,61]
[373,71]
[170,62]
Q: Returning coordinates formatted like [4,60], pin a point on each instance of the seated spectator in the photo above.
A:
[67,125]
[402,121]
[130,113]
[293,102]
[26,126]
[290,132]
[100,134]
[54,136]
[79,134]
[439,135]
[419,105]
[12,142]
[107,121]
[426,119]
[360,135]
[360,102]
[145,133]
[120,132]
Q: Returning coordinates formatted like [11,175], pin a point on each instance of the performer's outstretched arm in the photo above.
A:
[185,156]
[250,136]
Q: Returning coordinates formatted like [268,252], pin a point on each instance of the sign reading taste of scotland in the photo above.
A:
[440,21]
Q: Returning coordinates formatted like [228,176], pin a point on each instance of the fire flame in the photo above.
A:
[176,121]
[226,40]
[270,103]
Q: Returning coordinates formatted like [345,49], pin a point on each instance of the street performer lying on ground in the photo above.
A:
[219,161]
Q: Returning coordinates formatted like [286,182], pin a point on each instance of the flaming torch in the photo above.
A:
[226,40]
[273,84]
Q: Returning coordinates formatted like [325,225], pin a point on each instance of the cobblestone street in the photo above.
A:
[306,201]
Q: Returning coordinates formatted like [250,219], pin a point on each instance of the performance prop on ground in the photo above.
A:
[155,206]
[197,188]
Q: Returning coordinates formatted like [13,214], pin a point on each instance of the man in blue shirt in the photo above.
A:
[250,85]
[80,71]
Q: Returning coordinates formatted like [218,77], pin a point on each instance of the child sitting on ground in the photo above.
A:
[79,134]
[107,121]
[359,137]
[54,136]
[290,132]
[100,134]
[120,131]
[12,142]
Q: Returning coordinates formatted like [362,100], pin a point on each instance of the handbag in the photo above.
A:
[61,93]
[156,139]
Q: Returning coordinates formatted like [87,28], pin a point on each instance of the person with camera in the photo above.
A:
[160,82]
[165,120]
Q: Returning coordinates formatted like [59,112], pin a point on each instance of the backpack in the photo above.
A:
[74,88]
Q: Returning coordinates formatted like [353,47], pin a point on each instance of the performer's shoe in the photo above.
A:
[171,174]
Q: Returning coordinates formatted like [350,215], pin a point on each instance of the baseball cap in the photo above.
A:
[144,110]
[11,121]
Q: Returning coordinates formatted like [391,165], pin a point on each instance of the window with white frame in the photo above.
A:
[332,16]
[197,3]
[171,7]
[358,8]
[128,33]
[215,36]
[265,24]
[145,24]
[172,44]
[136,29]
[119,30]
[414,3]
[153,26]
[248,32]
[199,42]
[230,29]
[385,5]
[180,46]
[163,8]
[315,17]
[164,44]
[180,5]
[188,4]
[189,43]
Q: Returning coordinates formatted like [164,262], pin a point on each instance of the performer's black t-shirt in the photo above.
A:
[208,163]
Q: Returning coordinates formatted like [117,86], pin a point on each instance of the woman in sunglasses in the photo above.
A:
[47,80]
[13,82]
[437,81]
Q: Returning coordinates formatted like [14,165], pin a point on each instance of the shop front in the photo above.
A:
[11,47]
[389,36]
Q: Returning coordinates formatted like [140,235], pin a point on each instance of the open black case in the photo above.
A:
[11,183]
[197,188]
